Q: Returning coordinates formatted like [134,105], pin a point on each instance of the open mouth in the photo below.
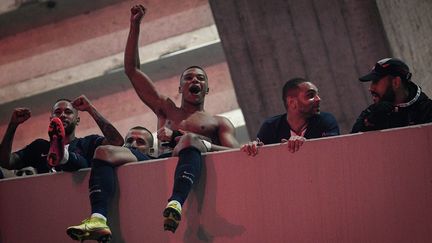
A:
[195,89]
[375,97]
[65,123]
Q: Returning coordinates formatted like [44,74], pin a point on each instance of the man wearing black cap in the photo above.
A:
[397,101]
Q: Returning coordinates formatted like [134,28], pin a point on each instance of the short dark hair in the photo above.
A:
[145,129]
[194,66]
[290,87]
[64,99]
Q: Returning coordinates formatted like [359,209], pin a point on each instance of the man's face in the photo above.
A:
[308,99]
[139,139]
[382,90]
[194,85]
[67,114]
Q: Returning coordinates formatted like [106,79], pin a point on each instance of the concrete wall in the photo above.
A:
[372,187]
[408,26]
[77,49]
[331,43]
[47,53]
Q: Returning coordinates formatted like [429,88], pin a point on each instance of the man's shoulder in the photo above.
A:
[423,108]
[327,116]
[89,139]
[424,99]
[217,117]
[275,119]
[39,142]
[422,104]
[35,148]
[322,125]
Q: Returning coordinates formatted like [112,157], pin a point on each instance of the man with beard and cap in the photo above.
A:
[397,101]
[188,129]
[302,120]
[64,151]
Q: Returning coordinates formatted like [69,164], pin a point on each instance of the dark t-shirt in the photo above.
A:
[81,152]
[275,128]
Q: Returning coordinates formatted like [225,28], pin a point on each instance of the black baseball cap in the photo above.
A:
[388,66]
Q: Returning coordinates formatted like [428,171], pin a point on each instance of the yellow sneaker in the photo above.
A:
[172,215]
[93,228]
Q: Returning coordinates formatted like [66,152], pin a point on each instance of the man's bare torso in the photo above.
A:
[199,122]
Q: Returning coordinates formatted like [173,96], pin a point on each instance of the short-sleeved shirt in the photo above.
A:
[81,152]
[276,128]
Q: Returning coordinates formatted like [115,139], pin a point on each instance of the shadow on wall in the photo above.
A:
[197,231]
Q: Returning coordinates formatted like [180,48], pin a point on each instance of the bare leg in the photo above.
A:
[114,155]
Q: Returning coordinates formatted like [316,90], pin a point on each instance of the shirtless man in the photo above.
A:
[188,128]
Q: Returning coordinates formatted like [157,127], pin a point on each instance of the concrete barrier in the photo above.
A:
[372,187]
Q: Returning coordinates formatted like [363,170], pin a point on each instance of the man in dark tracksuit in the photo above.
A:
[302,121]
[397,101]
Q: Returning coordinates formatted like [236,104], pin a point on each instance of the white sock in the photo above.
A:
[98,215]
[66,155]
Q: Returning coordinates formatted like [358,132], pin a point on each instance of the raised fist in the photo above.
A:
[81,103]
[20,115]
[137,13]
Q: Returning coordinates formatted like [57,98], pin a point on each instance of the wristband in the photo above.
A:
[207,144]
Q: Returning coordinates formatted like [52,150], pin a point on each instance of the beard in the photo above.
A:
[389,95]
[70,128]
[309,110]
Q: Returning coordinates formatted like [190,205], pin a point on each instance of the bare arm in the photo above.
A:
[143,85]
[112,136]
[8,159]
[226,133]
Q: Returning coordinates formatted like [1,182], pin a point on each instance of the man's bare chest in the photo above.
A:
[202,124]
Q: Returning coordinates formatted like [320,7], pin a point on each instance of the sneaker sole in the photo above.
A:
[172,219]
[100,235]
[173,212]
[56,134]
